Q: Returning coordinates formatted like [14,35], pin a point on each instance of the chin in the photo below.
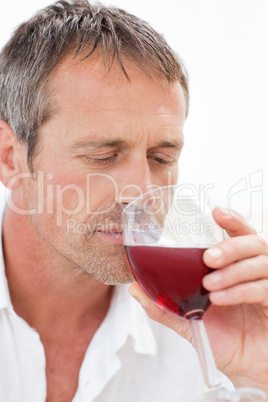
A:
[115,282]
[114,278]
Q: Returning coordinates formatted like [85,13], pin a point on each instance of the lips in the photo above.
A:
[114,235]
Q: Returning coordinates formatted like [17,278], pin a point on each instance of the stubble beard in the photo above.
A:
[88,253]
[105,263]
[104,260]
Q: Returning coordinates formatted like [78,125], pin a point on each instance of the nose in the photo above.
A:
[135,179]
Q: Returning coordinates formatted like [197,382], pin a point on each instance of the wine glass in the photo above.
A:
[165,233]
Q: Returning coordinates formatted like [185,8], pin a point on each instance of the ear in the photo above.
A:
[10,157]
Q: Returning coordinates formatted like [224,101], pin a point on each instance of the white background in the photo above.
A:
[224,44]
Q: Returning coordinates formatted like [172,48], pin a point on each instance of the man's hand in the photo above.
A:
[237,321]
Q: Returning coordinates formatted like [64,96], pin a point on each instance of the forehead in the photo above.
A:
[87,82]
[93,100]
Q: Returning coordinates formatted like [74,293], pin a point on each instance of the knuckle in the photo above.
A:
[243,293]
[147,305]
[155,313]
[262,242]
[263,260]
[264,284]
[234,244]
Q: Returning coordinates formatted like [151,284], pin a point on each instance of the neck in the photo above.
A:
[44,288]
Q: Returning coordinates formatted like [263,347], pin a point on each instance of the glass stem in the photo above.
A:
[207,362]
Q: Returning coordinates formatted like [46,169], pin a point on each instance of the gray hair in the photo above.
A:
[39,45]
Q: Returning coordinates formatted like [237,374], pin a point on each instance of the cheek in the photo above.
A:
[79,194]
[165,178]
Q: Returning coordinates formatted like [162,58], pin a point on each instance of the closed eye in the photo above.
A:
[101,161]
[162,161]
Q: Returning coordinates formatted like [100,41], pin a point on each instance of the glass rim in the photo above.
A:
[146,193]
[174,186]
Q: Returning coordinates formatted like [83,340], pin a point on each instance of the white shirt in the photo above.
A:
[130,358]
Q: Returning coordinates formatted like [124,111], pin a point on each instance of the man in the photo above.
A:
[92,108]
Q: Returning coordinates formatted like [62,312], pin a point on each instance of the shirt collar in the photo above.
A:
[125,322]
[136,322]
[5,300]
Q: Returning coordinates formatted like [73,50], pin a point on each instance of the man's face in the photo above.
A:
[108,141]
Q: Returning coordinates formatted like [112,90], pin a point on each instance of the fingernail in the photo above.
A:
[224,211]
[133,295]
[219,295]
[214,277]
[215,253]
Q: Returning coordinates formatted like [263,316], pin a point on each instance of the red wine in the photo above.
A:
[172,277]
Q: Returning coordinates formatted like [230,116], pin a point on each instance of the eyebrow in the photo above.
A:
[96,144]
[85,144]
[177,144]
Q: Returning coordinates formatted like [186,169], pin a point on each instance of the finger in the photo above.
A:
[247,270]
[234,224]
[151,308]
[249,293]
[234,249]
[179,325]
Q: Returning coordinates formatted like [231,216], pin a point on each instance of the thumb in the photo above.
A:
[179,325]
[232,222]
